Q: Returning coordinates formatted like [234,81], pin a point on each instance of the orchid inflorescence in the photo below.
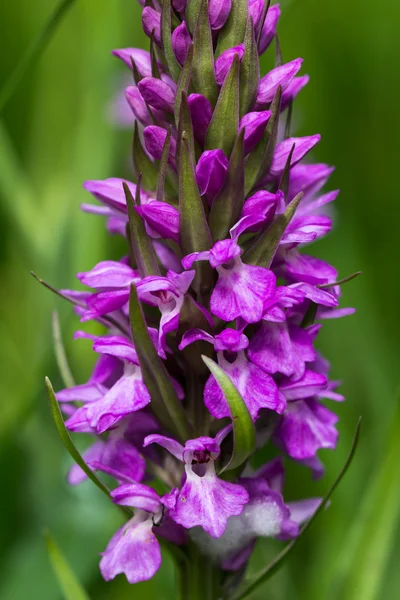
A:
[212,316]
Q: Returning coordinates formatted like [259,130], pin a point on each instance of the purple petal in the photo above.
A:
[269,28]
[154,139]
[301,147]
[306,426]
[207,502]
[109,274]
[110,191]
[294,87]
[94,452]
[194,335]
[137,495]
[278,77]
[141,58]
[230,340]
[134,551]
[151,21]
[310,384]
[172,446]
[240,292]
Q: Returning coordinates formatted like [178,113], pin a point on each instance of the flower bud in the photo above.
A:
[224,62]
[280,76]
[154,139]
[254,124]
[218,11]
[210,173]
[181,41]
[269,28]
[201,113]
[157,93]
[151,21]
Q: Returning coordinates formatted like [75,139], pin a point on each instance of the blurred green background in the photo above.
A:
[55,133]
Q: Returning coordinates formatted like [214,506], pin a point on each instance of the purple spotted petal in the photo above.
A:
[133,550]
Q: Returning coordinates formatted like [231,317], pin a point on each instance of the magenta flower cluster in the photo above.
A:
[227,280]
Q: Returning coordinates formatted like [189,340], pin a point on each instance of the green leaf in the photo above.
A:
[194,234]
[142,247]
[185,125]
[166,33]
[203,76]
[66,439]
[232,33]
[222,130]
[228,204]
[61,356]
[155,72]
[163,167]
[262,19]
[266,573]
[278,53]
[285,179]
[366,552]
[142,163]
[262,251]
[33,53]
[192,14]
[310,315]
[135,72]
[70,586]
[183,83]
[164,401]
[249,70]
[244,438]
[259,161]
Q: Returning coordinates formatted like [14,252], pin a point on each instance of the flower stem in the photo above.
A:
[199,577]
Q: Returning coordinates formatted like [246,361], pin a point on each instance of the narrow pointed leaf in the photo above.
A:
[154,66]
[142,247]
[135,72]
[183,83]
[61,356]
[222,130]
[232,33]
[185,125]
[67,441]
[249,70]
[227,206]
[191,317]
[244,438]
[262,251]
[192,14]
[266,573]
[309,317]
[260,159]
[142,163]
[194,235]
[278,53]
[69,585]
[163,167]
[323,286]
[203,76]
[285,179]
[164,401]
[166,32]
[262,19]
[288,123]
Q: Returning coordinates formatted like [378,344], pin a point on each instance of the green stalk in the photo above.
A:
[199,577]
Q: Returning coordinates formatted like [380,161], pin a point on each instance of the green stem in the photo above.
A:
[199,577]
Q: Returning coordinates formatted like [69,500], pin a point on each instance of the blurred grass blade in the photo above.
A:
[278,561]
[66,438]
[70,586]
[262,252]
[363,562]
[61,356]
[33,53]
[243,426]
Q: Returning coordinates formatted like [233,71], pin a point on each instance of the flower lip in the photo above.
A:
[224,252]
